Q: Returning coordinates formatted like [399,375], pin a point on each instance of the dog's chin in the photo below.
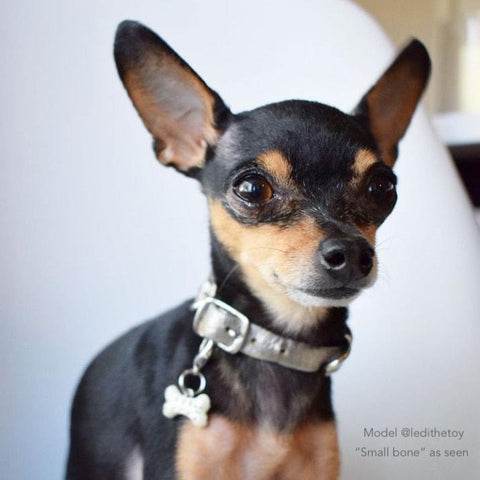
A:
[339,297]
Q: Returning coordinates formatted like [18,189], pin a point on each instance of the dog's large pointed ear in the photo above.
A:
[181,112]
[388,106]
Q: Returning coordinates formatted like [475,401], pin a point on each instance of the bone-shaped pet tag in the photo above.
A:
[193,407]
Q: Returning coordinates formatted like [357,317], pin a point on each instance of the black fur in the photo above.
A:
[118,404]
[320,143]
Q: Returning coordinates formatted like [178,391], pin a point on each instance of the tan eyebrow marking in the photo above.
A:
[364,159]
[275,163]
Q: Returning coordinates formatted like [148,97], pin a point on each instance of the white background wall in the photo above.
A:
[95,236]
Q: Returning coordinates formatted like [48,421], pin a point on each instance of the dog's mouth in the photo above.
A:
[324,297]
[334,293]
[318,293]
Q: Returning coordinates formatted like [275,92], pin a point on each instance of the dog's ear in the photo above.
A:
[388,106]
[177,107]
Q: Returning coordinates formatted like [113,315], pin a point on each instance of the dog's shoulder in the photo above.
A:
[120,396]
[142,361]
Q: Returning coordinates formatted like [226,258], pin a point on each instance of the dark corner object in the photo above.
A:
[467,161]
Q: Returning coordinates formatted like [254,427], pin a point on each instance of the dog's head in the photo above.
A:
[296,189]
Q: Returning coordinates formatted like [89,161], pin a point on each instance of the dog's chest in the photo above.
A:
[230,451]
[267,394]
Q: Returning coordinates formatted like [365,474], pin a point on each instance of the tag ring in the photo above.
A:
[335,364]
[191,392]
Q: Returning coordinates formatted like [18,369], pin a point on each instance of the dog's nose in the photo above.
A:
[346,258]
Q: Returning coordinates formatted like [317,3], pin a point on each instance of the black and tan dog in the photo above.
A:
[296,191]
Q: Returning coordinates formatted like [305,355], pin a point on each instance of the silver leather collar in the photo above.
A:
[233,332]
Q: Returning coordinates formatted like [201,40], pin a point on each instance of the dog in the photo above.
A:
[235,384]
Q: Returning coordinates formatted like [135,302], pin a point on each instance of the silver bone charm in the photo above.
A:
[189,402]
[194,408]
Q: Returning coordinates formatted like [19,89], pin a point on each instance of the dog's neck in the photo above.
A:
[257,392]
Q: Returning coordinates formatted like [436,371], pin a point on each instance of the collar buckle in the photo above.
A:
[233,332]
[229,333]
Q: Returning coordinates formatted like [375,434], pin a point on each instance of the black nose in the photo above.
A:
[346,258]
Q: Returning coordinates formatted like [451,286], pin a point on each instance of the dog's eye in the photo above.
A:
[253,188]
[381,188]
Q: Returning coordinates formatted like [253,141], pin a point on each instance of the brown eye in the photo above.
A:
[253,188]
[381,188]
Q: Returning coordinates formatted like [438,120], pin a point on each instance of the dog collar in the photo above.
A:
[222,325]
[234,333]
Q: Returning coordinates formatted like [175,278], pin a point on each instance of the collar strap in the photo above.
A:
[233,332]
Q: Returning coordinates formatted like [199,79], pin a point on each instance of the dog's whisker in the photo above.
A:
[227,277]
[268,248]
[384,241]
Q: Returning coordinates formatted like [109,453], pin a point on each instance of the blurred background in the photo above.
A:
[451,31]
